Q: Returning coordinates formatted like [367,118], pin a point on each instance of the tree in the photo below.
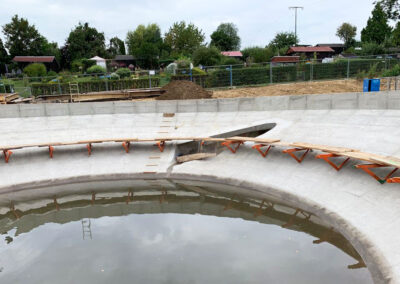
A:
[284,40]
[347,32]
[84,42]
[396,35]
[116,47]
[207,56]
[226,37]
[257,54]
[3,53]
[183,39]
[145,44]
[23,38]
[391,8]
[377,29]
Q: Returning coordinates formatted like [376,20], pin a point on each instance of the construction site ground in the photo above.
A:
[301,88]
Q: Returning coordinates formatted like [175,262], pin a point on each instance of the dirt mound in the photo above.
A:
[183,90]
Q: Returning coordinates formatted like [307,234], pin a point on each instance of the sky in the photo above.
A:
[257,20]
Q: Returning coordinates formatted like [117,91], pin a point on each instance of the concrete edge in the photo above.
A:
[377,264]
[378,100]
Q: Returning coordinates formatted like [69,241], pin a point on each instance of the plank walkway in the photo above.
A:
[233,144]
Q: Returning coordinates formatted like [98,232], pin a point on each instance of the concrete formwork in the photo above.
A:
[365,211]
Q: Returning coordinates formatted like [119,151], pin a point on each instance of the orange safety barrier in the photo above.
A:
[326,158]
[258,148]
[292,151]
[7,154]
[366,168]
[229,143]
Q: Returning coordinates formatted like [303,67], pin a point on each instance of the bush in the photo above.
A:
[114,76]
[87,63]
[123,72]
[76,65]
[183,62]
[198,71]
[207,56]
[35,70]
[96,69]
[257,54]
[230,61]
[395,71]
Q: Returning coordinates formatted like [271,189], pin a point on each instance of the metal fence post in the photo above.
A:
[270,73]
[191,75]
[149,80]
[59,86]
[348,68]
[230,76]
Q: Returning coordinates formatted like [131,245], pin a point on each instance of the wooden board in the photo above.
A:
[325,148]
[193,157]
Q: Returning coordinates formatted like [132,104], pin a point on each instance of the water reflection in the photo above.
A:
[167,232]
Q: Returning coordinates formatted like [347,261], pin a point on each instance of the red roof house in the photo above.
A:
[309,51]
[237,54]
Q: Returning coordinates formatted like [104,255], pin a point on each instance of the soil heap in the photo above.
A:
[183,90]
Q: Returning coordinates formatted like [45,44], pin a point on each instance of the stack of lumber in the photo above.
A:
[8,98]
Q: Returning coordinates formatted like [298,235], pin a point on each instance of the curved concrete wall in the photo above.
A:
[364,211]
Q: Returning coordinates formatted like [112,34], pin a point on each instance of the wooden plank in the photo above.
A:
[193,157]
[390,161]
[325,148]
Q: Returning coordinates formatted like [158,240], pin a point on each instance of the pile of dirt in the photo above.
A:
[183,90]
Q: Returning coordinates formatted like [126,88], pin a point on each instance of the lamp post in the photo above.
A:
[295,8]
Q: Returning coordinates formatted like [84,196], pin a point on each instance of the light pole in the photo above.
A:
[295,8]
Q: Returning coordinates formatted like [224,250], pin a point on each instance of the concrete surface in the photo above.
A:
[364,211]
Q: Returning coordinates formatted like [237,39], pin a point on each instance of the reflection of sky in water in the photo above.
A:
[173,248]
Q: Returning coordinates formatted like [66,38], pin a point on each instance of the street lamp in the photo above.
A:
[295,8]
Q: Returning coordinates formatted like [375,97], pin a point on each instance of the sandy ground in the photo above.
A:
[301,88]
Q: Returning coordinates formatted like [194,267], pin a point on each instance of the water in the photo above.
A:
[174,233]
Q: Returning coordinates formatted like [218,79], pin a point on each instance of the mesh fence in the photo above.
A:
[208,77]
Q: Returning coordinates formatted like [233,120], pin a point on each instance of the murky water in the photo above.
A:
[164,232]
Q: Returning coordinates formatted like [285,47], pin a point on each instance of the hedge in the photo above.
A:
[39,89]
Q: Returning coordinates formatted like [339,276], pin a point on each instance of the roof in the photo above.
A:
[331,44]
[232,53]
[285,59]
[31,59]
[124,57]
[301,49]
[97,58]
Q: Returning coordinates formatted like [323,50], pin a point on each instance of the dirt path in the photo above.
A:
[302,88]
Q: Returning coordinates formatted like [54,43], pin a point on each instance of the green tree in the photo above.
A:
[396,35]
[35,70]
[145,43]
[84,42]
[207,56]
[183,39]
[257,54]
[391,8]
[24,39]
[347,32]
[377,29]
[116,47]
[284,40]
[226,37]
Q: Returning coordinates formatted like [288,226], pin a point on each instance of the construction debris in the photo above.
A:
[8,98]
[193,157]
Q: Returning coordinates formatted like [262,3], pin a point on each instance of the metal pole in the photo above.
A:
[270,72]
[231,75]
[295,8]
[348,68]
[149,80]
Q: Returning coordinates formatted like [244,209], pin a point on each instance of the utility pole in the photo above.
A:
[295,8]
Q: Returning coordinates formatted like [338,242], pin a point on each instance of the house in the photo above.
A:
[284,60]
[100,61]
[124,60]
[49,61]
[320,52]
[234,54]
[337,47]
